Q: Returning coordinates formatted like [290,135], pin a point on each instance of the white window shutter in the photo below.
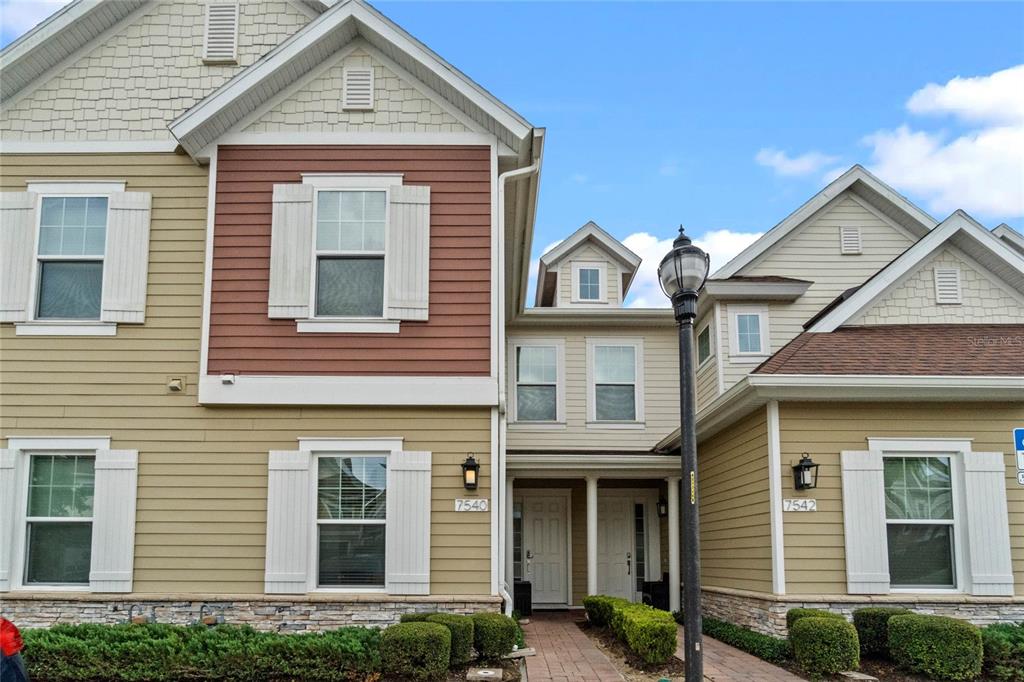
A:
[867,556]
[17,253]
[849,240]
[288,522]
[126,264]
[947,286]
[221,40]
[358,88]
[988,529]
[7,495]
[291,251]
[113,521]
[407,562]
[408,253]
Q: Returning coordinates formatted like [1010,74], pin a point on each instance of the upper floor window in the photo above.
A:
[350,244]
[919,522]
[615,373]
[72,240]
[704,345]
[538,384]
[58,532]
[588,282]
[351,520]
[748,331]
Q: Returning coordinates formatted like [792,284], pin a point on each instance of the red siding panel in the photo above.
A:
[456,338]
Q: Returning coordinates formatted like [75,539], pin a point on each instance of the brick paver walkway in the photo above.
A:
[564,652]
[723,663]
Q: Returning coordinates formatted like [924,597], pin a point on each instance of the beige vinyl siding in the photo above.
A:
[203,472]
[985,298]
[588,253]
[811,252]
[735,537]
[661,392]
[814,546]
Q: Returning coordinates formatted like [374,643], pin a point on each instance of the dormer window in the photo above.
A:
[220,44]
[588,282]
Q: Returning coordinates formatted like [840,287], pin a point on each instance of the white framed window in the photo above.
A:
[220,40]
[69,257]
[704,350]
[748,332]
[538,373]
[589,282]
[58,519]
[351,227]
[615,374]
[947,286]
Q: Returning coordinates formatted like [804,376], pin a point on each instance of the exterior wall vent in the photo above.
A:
[849,240]
[358,88]
[947,286]
[220,45]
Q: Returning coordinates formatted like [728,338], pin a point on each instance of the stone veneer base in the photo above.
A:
[279,614]
[767,613]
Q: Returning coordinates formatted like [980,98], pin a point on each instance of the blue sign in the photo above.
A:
[1018,440]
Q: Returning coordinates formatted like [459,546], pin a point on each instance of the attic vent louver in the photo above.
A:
[358,88]
[947,286]
[849,240]
[221,41]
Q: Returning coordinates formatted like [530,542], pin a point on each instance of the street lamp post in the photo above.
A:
[682,273]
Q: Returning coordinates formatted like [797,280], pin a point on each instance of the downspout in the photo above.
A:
[503,180]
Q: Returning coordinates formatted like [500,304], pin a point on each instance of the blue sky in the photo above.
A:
[726,117]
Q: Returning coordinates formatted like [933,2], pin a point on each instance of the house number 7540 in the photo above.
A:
[471,505]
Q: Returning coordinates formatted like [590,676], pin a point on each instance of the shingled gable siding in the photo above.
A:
[456,338]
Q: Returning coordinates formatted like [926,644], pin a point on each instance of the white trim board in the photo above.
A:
[775,499]
[88,146]
[349,390]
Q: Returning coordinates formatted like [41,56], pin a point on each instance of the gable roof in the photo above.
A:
[1011,237]
[590,232]
[961,231]
[316,42]
[857,180]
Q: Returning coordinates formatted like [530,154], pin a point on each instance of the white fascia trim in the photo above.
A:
[896,445]
[775,498]
[58,442]
[211,219]
[75,186]
[363,138]
[886,387]
[592,462]
[775,291]
[87,146]
[322,326]
[909,259]
[817,202]
[352,180]
[326,444]
[1008,234]
[65,329]
[594,232]
[349,390]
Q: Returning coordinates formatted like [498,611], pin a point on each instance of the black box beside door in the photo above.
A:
[522,601]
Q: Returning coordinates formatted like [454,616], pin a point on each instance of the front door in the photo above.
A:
[545,547]
[615,552]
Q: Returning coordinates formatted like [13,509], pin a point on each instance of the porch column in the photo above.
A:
[591,535]
[673,542]
[509,510]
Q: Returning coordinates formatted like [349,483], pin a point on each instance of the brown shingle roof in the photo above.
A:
[912,349]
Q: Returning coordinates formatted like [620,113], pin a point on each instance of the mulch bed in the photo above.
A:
[887,671]
[608,643]
[510,672]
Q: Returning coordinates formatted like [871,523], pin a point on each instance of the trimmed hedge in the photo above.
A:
[494,635]
[599,608]
[825,645]
[226,653]
[461,628]
[872,625]
[416,616]
[648,632]
[793,615]
[416,651]
[772,649]
[1003,647]
[940,647]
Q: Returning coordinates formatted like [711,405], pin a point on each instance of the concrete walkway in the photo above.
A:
[723,663]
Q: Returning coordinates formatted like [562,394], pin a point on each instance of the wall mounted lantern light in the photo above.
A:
[470,472]
[662,508]
[805,473]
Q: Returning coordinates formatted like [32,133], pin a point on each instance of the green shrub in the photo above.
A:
[648,632]
[793,615]
[416,616]
[768,648]
[872,625]
[226,653]
[599,608]
[942,648]
[494,635]
[824,645]
[461,628]
[416,651]
[1003,647]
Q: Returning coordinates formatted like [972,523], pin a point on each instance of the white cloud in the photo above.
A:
[783,164]
[979,170]
[645,291]
[18,16]
[669,168]
[579,178]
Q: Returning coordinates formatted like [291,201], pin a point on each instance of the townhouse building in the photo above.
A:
[265,346]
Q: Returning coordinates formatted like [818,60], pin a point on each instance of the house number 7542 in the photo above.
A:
[799,505]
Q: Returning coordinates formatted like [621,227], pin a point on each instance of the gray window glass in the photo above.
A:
[58,539]
[748,333]
[615,383]
[536,383]
[704,345]
[72,240]
[351,515]
[590,284]
[72,226]
[350,236]
[70,290]
[350,287]
[919,513]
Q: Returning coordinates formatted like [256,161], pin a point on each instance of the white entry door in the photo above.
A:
[615,552]
[546,547]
